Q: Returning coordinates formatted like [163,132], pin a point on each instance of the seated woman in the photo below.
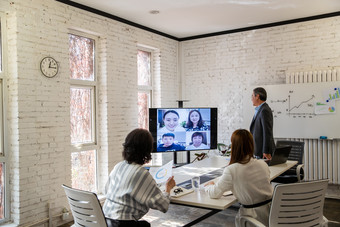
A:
[131,190]
[247,178]
[195,122]
[197,142]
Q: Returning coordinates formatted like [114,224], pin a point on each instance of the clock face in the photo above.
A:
[49,67]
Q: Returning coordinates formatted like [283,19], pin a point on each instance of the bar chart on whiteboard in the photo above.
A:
[301,110]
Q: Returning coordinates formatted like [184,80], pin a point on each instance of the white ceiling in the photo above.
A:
[186,18]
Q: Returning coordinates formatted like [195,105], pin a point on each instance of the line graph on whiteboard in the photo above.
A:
[305,110]
[300,106]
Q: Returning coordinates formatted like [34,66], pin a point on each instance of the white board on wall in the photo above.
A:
[293,107]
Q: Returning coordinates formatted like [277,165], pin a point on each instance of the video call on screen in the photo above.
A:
[183,129]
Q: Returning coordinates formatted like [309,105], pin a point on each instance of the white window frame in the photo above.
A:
[76,83]
[156,157]
[147,88]
[3,123]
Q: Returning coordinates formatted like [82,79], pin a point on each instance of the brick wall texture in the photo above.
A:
[214,72]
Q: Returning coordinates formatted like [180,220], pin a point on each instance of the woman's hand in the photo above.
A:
[209,183]
[170,183]
[267,156]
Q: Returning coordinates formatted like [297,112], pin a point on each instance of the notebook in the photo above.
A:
[280,155]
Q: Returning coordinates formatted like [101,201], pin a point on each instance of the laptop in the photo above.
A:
[280,155]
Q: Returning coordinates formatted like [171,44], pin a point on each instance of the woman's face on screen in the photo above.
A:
[197,140]
[194,117]
[171,121]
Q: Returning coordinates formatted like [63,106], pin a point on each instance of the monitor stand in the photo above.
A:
[181,164]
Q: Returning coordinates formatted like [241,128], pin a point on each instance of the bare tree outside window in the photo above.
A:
[143,110]
[81,115]
[82,112]
[84,170]
[81,51]
[144,68]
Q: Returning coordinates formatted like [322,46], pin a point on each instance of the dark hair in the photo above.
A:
[261,92]
[242,146]
[168,134]
[200,121]
[138,146]
[199,134]
[170,111]
[196,134]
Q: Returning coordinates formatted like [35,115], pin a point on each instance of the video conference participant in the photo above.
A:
[171,122]
[195,122]
[197,142]
[247,178]
[168,143]
[128,198]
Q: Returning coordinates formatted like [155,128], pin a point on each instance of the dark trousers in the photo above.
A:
[126,223]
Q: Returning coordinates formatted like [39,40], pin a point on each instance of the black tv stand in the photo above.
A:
[180,164]
[180,105]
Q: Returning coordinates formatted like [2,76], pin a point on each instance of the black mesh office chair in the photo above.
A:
[296,173]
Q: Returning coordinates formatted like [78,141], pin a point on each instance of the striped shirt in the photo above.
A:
[131,191]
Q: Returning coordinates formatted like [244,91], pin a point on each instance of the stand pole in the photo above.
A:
[180,105]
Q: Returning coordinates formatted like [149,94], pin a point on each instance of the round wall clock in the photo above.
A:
[49,67]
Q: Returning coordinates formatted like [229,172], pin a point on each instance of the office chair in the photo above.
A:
[85,207]
[298,205]
[296,173]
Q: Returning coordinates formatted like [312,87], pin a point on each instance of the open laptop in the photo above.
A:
[279,156]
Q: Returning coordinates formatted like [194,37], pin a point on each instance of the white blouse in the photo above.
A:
[250,184]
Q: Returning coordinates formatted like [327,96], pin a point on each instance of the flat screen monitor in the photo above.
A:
[183,129]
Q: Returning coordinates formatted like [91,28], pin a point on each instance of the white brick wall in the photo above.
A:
[220,68]
[38,107]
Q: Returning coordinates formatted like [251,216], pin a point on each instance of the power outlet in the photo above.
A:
[65,216]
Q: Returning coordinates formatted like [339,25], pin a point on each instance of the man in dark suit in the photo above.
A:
[262,125]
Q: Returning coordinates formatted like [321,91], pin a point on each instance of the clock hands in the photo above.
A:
[49,66]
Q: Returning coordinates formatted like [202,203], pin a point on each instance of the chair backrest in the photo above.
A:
[297,151]
[298,204]
[85,207]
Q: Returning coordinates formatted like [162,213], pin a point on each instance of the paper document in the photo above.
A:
[161,174]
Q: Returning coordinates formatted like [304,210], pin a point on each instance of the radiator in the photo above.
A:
[321,157]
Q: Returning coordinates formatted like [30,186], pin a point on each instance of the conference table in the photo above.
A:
[200,198]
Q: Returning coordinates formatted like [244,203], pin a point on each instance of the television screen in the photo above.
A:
[183,129]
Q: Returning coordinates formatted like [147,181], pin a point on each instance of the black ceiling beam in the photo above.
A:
[104,14]
[299,20]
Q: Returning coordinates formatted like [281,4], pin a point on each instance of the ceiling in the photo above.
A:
[187,18]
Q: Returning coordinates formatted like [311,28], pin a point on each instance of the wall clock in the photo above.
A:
[49,67]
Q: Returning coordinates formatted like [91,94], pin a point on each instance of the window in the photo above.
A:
[4,163]
[144,87]
[83,112]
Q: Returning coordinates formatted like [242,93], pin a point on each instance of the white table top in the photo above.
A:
[200,198]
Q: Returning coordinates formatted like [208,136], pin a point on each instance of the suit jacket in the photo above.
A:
[262,129]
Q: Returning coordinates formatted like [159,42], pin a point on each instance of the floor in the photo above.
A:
[181,215]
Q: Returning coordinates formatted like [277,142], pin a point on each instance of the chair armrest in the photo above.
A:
[245,219]
[298,171]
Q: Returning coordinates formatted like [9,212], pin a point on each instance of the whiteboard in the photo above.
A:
[306,110]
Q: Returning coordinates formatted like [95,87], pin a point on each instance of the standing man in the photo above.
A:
[262,125]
